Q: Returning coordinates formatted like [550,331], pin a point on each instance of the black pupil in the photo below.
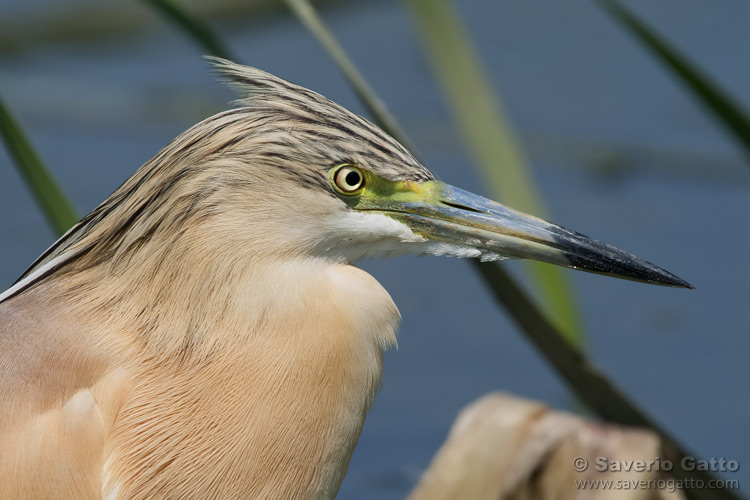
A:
[352,178]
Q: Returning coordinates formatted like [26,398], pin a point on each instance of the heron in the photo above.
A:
[204,332]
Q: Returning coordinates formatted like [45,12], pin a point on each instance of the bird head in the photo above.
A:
[290,173]
[355,192]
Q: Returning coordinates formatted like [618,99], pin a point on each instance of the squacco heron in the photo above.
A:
[204,334]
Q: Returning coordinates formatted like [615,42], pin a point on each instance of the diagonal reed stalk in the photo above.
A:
[729,113]
[373,104]
[49,196]
[491,141]
[196,29]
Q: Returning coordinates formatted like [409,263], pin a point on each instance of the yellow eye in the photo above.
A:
[348,179]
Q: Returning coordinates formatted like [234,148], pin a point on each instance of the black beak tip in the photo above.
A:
[673,281]
[651,273]
[611,261]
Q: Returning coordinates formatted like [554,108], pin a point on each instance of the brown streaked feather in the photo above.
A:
[282,125]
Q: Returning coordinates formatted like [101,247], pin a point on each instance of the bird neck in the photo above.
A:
[191,301]
[282,355]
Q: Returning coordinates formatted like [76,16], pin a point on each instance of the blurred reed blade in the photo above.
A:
[581,375]
[375,107]
[728,112]
[49,196]
[589,383]
[490,141]
[194,27]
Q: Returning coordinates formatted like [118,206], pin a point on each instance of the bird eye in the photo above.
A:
[348,179]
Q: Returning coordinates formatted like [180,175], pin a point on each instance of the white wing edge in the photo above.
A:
[39,273]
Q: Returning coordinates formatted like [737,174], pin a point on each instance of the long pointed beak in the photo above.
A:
[452,215]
